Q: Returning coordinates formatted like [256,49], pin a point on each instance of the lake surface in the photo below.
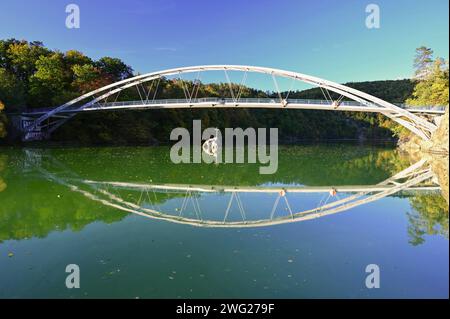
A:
[139,226]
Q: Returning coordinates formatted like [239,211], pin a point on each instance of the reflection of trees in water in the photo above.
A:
[42,208]
[313,165]
[32,207]
[2,168]
[429,217]
[38,207]
[430,212]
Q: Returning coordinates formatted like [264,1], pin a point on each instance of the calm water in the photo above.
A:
[140,226]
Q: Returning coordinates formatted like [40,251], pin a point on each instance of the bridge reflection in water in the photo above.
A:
[234,206]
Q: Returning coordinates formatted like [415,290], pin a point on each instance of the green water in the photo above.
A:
[54,212]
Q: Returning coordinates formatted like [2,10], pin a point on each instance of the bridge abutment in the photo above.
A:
[18,125]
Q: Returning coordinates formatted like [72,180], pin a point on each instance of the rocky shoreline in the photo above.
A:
[435,151]
[439,144]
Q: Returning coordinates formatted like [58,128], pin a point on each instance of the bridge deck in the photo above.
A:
[243,102]
[253,189]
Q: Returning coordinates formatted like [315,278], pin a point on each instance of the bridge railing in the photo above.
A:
[209,100]
[215,100]
[255,101]
[422,107]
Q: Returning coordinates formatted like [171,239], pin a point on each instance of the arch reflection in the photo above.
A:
[235,206]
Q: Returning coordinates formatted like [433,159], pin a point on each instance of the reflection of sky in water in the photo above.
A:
[255,206]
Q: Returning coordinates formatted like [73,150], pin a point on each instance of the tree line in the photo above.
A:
[32,76]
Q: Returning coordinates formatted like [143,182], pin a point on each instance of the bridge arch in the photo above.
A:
[48,121]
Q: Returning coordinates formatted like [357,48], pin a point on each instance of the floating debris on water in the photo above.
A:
[114,272]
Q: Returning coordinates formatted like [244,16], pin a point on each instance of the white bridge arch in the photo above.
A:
[41,123]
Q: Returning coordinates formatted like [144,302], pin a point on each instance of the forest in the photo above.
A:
[33,76]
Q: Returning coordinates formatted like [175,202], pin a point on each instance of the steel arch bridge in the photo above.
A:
[40,123]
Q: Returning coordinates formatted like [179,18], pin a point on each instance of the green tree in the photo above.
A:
[5,60]
[11,91]
[73,57]
[433,89]
[422,62]
[115,68]
[22,57]
[85,77]
[49,80]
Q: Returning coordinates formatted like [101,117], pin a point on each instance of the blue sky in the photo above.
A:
[325,38]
